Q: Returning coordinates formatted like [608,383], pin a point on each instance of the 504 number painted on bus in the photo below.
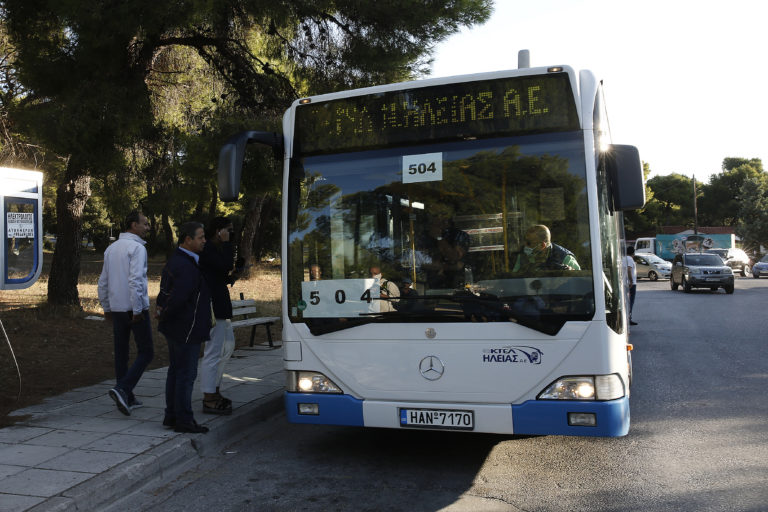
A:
[340,297]
[424,167]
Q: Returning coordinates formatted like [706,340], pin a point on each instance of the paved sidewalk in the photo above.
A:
[76,451]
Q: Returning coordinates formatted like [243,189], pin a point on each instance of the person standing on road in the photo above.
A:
[184,310]
[217,262]
[632,278]
[124,297]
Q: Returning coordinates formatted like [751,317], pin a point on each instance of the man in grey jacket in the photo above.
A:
[124,297]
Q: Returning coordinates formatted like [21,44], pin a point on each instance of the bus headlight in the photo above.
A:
[310,382]
[600,387]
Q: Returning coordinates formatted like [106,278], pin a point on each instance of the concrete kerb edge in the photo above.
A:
[163,462]
[228,430]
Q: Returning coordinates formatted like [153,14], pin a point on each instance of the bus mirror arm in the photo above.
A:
[231,158]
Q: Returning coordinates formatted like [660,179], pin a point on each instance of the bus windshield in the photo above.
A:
[442,232]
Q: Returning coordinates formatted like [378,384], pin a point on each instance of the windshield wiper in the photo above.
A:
[527,310]
[328,325]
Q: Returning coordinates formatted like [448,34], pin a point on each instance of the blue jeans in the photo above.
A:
[127,378]
[182,372]
[632,293]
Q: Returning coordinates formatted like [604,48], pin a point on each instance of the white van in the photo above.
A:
[645,245]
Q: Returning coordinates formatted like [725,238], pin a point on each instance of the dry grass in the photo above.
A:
[58,349]
[264,286]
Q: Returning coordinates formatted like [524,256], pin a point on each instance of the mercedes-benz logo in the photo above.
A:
[431,368]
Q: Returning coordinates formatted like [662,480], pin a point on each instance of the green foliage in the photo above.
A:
[734,197]
[721,198]
[140,95]
[753,212]
[730,163]
[670,200]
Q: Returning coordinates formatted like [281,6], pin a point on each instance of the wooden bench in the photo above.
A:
[241,317]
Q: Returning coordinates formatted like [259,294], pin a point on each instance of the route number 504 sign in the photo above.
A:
[339,298]
[420,168]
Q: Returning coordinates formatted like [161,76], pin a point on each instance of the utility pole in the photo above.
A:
[695,210]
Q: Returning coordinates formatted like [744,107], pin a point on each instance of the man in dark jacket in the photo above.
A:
[540,253]
[217,262]
[184,309]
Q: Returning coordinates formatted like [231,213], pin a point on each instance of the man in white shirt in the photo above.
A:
[125,299]
[632,277]
[389,293]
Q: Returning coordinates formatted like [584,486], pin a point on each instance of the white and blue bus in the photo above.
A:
[489,207]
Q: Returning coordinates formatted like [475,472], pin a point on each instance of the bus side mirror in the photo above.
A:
[231,158]
[626,173]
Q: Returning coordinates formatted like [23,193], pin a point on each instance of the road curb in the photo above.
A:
[163,462]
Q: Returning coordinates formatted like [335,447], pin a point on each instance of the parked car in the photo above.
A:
[737,259]
[652,267]
[701,270]
[760,268]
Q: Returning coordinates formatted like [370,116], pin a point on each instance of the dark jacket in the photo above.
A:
[554,260]
[185,300]
[217,262]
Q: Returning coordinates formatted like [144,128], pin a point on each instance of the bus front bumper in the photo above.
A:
[534,417]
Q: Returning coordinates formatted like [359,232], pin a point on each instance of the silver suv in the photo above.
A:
[736,259]
[700,270]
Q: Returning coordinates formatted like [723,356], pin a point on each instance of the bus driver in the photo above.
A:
[540,253]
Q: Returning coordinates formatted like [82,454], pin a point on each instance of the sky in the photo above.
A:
[685,81]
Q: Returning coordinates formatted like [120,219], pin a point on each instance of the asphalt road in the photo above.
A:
[698,441]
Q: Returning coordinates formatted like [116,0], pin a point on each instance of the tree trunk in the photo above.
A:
[250,229]
[71,197]
[170,246]
[268,209]
[214,202]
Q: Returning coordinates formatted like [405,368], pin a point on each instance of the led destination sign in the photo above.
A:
[479,109]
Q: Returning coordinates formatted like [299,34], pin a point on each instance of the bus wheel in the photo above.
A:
[653,276]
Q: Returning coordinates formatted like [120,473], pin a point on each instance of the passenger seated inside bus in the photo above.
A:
[445,247]
[389,293]
[541,254]
[315,272]
[408,296]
